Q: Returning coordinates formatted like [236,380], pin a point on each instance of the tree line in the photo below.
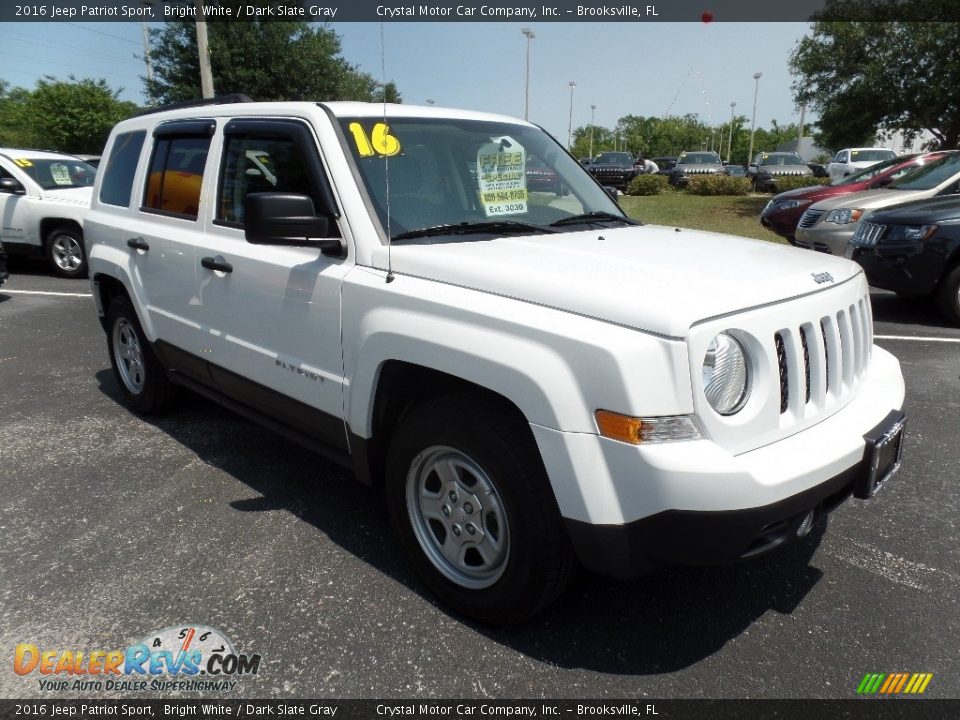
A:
[265,60]
[668,136]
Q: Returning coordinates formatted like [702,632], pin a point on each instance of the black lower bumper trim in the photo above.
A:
[687,537]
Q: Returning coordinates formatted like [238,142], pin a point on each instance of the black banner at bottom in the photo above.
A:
[854,709]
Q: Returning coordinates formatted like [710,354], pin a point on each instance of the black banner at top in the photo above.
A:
[522,11]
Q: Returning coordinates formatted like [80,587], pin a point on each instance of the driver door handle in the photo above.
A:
[219,265]
[138,243]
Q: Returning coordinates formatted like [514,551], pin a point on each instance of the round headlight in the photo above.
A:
[726,379]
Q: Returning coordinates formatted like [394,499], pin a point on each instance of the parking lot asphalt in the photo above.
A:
[115,526]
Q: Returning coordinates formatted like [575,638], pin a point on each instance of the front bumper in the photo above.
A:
[908,268]
[638,507]
[690,537]
[772,182]
[825,237]
[782,222]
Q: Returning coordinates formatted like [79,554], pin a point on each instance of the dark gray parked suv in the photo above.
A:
[691,164]
[614,169]
[767,168]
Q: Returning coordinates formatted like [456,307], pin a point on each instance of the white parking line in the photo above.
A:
[43,292]
[917,338]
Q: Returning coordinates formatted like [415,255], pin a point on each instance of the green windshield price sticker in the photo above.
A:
[501,172]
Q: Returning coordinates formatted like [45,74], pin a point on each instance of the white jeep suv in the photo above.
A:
[536,381]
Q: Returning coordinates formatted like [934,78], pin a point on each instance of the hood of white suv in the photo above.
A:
[651,278]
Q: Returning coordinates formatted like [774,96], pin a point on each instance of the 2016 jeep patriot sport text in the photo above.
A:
[536,380]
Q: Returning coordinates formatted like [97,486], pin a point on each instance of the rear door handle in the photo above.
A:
[138,243]
[219,265]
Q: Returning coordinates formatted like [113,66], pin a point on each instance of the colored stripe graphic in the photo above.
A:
[894,683]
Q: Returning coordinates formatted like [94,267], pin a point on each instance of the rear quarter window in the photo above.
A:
[117,184]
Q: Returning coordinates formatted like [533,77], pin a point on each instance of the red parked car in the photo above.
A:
[783,212]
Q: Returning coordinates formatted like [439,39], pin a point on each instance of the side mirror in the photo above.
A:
[10,185]
[612,192]
[881,182]
[287,219]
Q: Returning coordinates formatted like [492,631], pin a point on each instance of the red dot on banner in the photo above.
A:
[707,16]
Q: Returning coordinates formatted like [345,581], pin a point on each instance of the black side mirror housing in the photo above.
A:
[612,192]
[10,185]
[272,218]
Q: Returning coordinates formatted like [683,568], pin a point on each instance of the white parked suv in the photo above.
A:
[535,381]
[43,198]
[853,160]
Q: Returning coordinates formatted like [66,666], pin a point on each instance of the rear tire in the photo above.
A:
[471,501]
[948,296]
[65,252]
[143,381]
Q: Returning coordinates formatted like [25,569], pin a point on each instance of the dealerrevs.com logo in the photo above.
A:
[184,657]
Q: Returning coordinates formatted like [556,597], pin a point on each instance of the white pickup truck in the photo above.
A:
[43,198]
[535,380]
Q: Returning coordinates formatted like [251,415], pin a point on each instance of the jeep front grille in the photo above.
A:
[810,217]
[826,363]
[868,234]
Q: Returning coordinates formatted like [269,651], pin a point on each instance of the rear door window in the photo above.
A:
[176,175]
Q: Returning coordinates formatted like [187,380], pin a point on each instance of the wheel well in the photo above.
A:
[48,225]
[403,386]
[107,288]
[953,260]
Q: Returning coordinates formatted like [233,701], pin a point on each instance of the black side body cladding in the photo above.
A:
[316,430]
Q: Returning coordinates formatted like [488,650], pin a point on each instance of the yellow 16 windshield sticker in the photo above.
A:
[22,162]
[379,142]
[501,172]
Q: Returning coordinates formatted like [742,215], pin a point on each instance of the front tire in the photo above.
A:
[471,501]
[948,296]
[142,379]
[65,252]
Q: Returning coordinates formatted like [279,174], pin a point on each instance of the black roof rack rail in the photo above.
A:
[220,100]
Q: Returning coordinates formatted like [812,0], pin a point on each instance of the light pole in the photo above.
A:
[753,122]
[593,109]
[730,139]
[526,102]
[572,85]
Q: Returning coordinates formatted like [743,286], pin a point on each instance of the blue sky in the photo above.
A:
[622,68]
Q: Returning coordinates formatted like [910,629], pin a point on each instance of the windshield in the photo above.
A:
[614,158]
[699,158]
[449,172]
[58,173]
[782,160]
[930,175]
[871,155]
[874,170]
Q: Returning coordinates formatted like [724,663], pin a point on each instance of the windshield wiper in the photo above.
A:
[466,228]
[595,216]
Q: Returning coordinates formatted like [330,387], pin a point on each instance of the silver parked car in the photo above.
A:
[828,225]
